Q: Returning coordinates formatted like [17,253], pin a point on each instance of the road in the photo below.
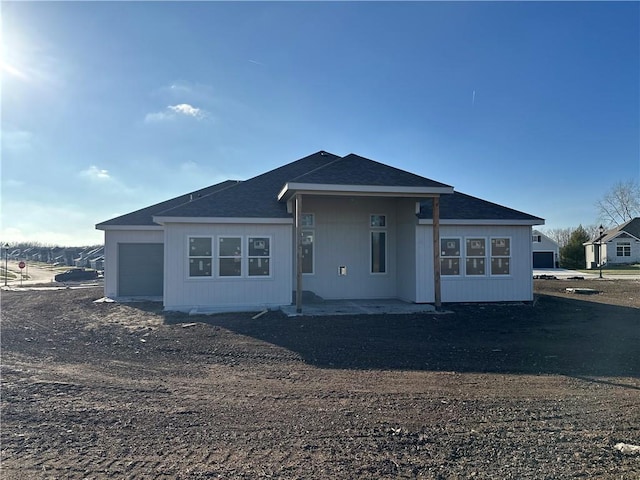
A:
[33,274]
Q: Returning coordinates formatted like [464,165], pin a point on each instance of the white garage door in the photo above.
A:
[140,269]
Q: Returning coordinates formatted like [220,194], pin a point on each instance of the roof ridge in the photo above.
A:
[321,152]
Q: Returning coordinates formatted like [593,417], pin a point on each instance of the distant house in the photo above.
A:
[620,245]
[338,227]
[546,252]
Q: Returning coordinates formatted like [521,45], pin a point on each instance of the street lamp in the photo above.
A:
[601,230]
[6,262]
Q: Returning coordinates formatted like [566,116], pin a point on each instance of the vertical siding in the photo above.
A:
[518,286]
[112,238]
[406,252]
[342,237]
[184,293]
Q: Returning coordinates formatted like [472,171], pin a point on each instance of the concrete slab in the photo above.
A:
[561,273]
[358,307]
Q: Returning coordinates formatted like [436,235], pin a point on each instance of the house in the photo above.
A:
[546,252]
[620,245]
[327,226]
[87,255]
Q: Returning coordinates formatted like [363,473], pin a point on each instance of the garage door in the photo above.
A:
[140,269]
[543,260]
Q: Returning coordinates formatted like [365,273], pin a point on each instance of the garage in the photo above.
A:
[543,260]
[140,269]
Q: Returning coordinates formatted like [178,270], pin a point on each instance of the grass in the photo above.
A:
[8,275]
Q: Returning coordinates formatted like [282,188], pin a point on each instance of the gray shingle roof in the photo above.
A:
[460,206]
[631,227]
[253,198]
[144,216]
[257,197]
[356,170]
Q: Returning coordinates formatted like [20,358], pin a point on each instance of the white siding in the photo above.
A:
[214,293]
[546,245]
[342,238]
[517,286]
[112,238]
[407,247]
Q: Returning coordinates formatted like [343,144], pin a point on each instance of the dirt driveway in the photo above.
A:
[99,390]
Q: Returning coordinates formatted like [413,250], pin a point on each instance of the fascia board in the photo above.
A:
[129,227]
[234,220]
[365,190]
[429,221]
[617,234]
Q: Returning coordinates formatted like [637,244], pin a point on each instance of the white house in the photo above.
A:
[620,245]
[546,252]
[339,227]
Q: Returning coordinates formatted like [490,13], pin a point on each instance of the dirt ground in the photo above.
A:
[106,390]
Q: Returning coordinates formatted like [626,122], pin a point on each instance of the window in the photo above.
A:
[536,238]
[378,243]
[476,253]
[230,256]
[200,256]
[259,257]
[500,256]
[378,252]
[308,220]
[450,256]
[307,251]
[378,221]
[623,249]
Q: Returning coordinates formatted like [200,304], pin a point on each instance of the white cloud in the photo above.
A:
[173,112]
[186,109]
[95,173]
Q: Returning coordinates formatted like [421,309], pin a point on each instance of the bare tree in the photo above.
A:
[620,204]
[559,235]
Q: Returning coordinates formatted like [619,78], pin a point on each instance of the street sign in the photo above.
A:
[22,265]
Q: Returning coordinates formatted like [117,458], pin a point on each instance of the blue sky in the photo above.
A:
[111,107]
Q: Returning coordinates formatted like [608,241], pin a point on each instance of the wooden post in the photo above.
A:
[436,252]
[298,253]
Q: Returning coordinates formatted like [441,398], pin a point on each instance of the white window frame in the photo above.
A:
[444,257]
[468,257]
[308,220]
[374,220]
[507,257]
[622,247]
[311,231]
[378,224]
[250,257]
[219,257]
[194,257]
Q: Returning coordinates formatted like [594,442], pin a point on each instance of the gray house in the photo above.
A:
[339,227]
[620,245]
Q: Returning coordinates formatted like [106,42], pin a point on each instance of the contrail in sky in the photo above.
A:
[473,98]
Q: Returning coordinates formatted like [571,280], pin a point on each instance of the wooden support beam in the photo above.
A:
[436,253]
[298,253]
